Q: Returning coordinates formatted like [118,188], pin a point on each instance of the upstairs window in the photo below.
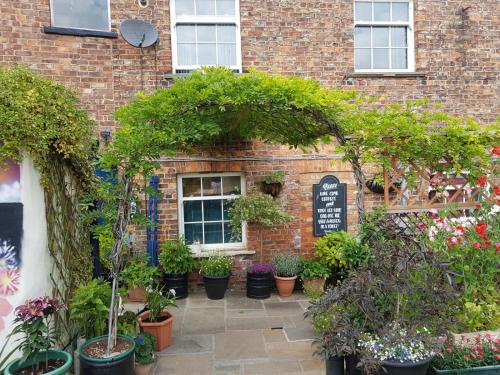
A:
[79,14]
[205,33]
[383,35]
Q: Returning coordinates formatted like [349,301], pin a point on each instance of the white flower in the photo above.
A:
[172,291]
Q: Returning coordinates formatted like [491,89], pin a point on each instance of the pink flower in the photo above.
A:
[476,245]
[9,281]
[38,307]
[421,226]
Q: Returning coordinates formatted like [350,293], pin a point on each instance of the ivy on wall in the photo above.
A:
[42,119]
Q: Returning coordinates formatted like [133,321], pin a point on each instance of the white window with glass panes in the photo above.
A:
[205,33]
[383,36]
[204,200]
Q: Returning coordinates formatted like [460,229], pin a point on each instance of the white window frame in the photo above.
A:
[410,35]
[199,249]
[108,29]
[204,20]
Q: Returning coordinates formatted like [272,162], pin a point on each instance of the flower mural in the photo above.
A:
[5,309]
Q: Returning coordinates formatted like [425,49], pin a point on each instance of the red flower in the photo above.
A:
[476,245]
[496,189]
[497,357]
[449,350]
[481,228]
[460,229]
[481,181]
[478,205]
[495,151]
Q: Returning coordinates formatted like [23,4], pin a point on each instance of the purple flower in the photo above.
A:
[260,268]
[38,307]
[139,340]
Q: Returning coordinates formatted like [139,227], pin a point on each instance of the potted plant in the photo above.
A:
[176,261]
[34,322]
[477,355]
[156,320]
[273,183]
[216,271]
[313,275]
[286,268]
[145,344]
[137,275]
[259,280]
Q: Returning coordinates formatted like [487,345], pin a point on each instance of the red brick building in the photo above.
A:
[446,51]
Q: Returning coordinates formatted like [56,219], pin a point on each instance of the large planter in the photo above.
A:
[351,365]
[259,285]
[137,294]
[162,330]
[406,368]
[335,366]
[177,282]
[314,285]
[120,364]
[285,285]
[17,365]
[485,370]
[216,286]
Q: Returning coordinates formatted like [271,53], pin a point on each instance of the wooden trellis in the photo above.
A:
[428,189]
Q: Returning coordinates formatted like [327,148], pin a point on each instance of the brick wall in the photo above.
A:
[457,50]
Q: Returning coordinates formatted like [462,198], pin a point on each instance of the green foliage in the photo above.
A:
[144,348]
[89,307]
[156,301]
[138,273]
[275,177]
[286,264]
[216,266]
[314,269]
[256,208]
[127,323]
[176,257]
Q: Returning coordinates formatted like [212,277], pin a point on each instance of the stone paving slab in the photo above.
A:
[185,364]
[238,324]
[239,346]
[203,321]
[190,344]
[283,308]
[272,367]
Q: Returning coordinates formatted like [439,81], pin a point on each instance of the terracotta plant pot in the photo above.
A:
[285,285]
[161,330]
[314,285]
[143,369]
[137,294]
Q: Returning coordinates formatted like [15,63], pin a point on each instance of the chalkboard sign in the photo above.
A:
[329,206]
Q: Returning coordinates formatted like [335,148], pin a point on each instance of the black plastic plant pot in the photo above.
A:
[351,363]
[335,366]
[216,286]
[259,285]
[405,368]
[177,282]
[121,364]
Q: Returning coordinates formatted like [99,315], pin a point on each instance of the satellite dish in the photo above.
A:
[139,33]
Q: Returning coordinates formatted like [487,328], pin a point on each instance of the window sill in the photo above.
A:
[79,32]
[386,74]
[224,252]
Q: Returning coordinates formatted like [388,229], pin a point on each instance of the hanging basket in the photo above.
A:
[273,189]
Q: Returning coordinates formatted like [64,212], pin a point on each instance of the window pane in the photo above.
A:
[228,234]
[193,233]
[211,186]
[205,7]
[381,11]
[399,58]
[207,54]
[191,187]
[380,36]
[363,58]
[231,185]
[400,12]
[186,54]
[225,8]
[79,14]
[192,211]
[363,11]
[227,206]
[398,36]
[206,34]
[226,34]
[362,37]
[226,54]
[186,34]
[212,210]
[381,58]
[184,7]
[213,233]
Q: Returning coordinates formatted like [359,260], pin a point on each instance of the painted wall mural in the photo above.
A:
[11,232]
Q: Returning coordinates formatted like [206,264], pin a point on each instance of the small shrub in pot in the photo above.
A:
[286,268]
[313,275]
[137,275]
[259,280]
[145,344]
[216,270]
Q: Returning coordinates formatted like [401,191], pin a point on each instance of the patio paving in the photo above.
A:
[238,335]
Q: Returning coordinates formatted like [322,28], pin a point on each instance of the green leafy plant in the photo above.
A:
[176,257]
[157,300]
[275,177]
[138,273]
[127,323]
[144,348]
[286,264]
[216,266]
[256,208]
[314,269]
[89,307]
